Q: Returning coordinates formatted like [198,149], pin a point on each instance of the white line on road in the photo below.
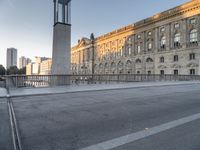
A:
[108,145]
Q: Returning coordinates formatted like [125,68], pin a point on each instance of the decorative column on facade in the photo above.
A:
[171,36]
[168,37]
[156,41]
[184,33]
[144,42]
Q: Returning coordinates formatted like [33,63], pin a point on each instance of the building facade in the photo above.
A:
[23,61]
[11,57]
[166,43]
[41,66]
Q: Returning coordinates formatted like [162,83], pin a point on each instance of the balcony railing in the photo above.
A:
[62,80]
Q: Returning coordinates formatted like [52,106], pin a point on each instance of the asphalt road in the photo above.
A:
[77,120]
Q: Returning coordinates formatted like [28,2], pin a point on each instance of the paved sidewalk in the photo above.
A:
[3,92]
[91,87]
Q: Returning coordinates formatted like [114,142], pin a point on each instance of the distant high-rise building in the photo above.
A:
[11,57]
[23,61]
[28,61]
[41,66]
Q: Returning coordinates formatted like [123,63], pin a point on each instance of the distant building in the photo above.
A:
[23,61]
[29,69]
[28,60]
[45,67]
[41,66]
[11,57]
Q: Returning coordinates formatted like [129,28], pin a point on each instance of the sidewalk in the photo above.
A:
[3,92]
[92,87]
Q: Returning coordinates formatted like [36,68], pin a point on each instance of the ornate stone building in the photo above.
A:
[166,43]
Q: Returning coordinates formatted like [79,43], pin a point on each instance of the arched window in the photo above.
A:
[101,65]
[177,39]
[113,65]
[138,49]
[120,64]
[106,65]
[163,42]
[138,61]
[128,63]
[149,45]
[193,35]
[162,59]
[149,60]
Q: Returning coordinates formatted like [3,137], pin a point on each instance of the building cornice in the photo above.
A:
[168,14]
[177,11]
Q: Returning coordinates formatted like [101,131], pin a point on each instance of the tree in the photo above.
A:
[13,70]
[2,70]
[22,71]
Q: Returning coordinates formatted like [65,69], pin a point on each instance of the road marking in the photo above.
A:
[108,145]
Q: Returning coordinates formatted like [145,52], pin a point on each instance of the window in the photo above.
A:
[138,72]
[162,29]
[193,35]
[177,39]
[149,46]
[138,49]
[138,61]
[121,52]
[176,25]
[163,42]
[129,39]
[162,59]
[192,71]
[129,51]
[139,36]
[149,60]
[149,72]
[175,72]
[176,58]
[192,21]
[162,72]
[149,33]
[192,56]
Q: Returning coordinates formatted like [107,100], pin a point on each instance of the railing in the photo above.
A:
[19,81]
[2,81]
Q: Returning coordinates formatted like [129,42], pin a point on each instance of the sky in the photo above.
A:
[28,24]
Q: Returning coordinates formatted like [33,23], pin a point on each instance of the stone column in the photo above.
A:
[184,33]
[168,37]
[156,40]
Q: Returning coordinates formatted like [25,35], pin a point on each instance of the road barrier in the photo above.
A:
[20,81]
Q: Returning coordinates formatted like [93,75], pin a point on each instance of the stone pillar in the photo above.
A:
[61,59]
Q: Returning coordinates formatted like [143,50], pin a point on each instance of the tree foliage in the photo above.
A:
[2,70]
[13,70]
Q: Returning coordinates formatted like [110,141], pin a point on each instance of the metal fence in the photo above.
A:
[2,81]
[19,81]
